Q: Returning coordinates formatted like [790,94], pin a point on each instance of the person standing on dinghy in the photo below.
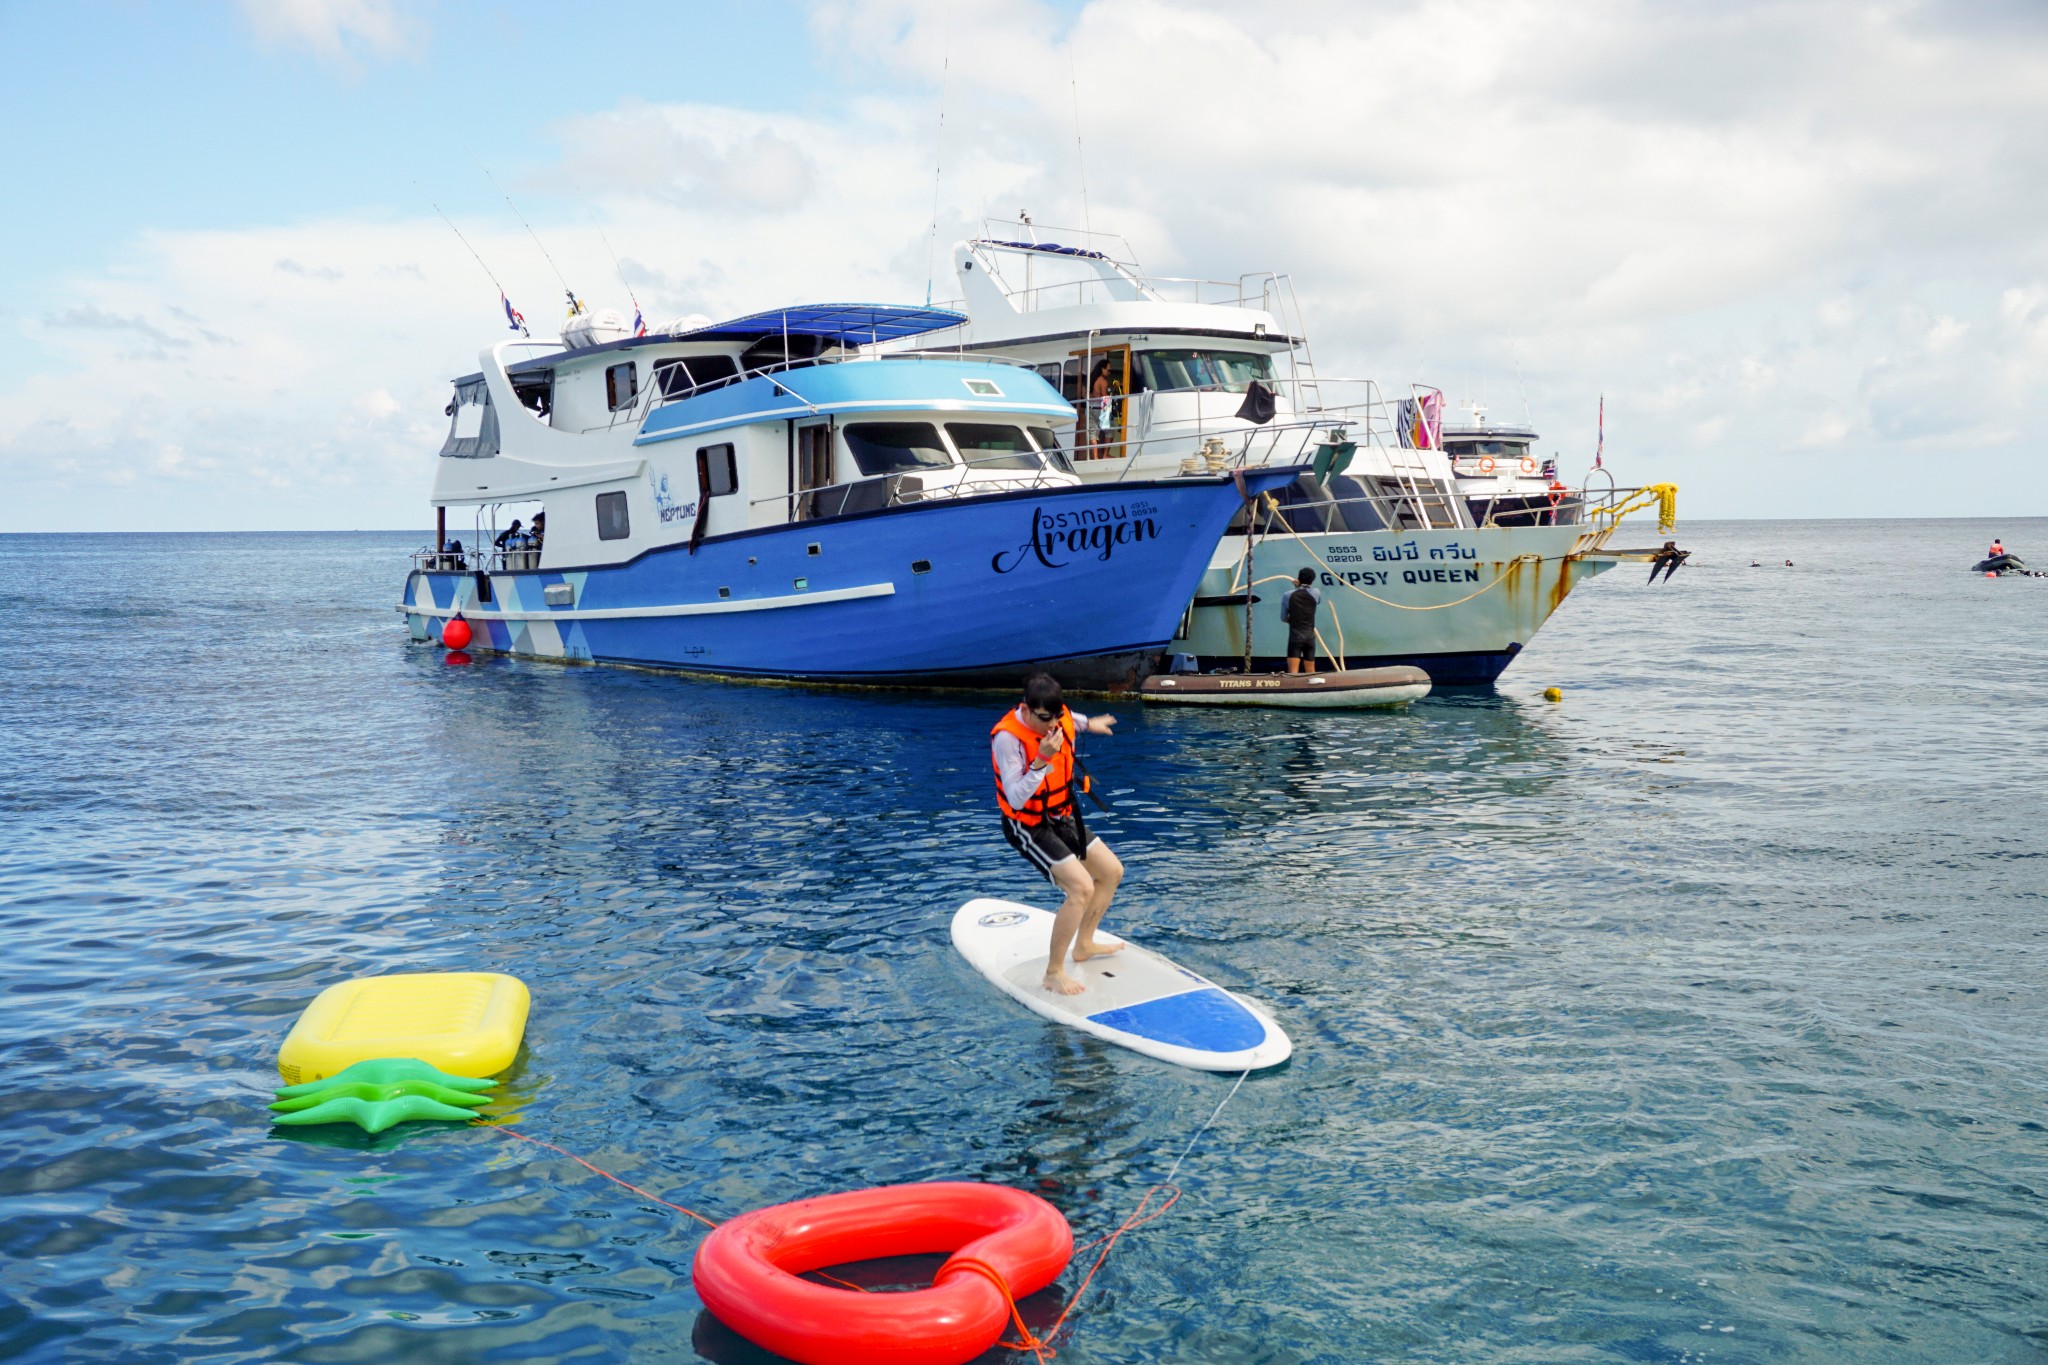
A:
[1033,751]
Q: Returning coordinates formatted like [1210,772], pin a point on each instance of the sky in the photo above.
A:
[1799,249]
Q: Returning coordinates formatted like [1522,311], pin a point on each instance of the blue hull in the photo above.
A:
[1087,582]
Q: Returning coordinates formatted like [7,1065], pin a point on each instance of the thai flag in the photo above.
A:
[513,317]
[639,323]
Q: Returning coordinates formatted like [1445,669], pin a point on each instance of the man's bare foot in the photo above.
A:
[1082,954]
[1066,985]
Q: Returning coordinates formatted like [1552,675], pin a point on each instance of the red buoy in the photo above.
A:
[455,634]
[747,1271]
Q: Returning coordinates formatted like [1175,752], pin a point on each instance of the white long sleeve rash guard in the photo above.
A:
[1013,763]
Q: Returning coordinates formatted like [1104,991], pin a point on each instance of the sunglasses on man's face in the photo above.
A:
[1043,715]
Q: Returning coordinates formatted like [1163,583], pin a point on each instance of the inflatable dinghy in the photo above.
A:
[1349,688]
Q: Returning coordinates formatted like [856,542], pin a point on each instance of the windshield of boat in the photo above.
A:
[1465,450]
[885,447]
[1050,445]
[1223,371]
[986,446]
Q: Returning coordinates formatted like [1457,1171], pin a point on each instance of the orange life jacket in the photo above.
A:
[1055,795]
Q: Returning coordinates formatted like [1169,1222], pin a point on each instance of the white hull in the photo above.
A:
[1458,604]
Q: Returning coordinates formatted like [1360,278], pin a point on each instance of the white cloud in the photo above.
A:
[1759,229]
[339,32]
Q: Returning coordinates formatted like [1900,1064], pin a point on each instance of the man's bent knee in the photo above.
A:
[1074,879]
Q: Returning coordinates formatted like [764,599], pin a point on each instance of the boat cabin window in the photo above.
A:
[535,391]
[717,470]
[611,517]
[774,350]
[1472,450]
[1217,371]
[678,377]
[621,385]
[473,432]
[885,447]
[987,446]
[1050,445]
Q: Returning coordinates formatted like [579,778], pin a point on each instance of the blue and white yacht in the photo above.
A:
[770,497]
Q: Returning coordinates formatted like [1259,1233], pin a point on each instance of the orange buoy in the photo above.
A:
[747,1271]
[455,634]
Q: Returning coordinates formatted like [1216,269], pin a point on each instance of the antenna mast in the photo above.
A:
[931,254]
[1080,156]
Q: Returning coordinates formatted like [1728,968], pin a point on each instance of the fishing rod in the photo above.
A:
[512,315]
[639,323]
[575,304]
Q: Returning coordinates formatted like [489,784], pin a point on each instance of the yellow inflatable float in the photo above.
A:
[462,1023]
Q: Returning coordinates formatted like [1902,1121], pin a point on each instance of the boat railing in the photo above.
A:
[1082,293]
[877,492]
[513,559]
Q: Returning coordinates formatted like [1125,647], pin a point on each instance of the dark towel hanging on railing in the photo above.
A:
[1258,407]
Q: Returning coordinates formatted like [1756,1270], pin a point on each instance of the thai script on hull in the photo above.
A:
[1058,537]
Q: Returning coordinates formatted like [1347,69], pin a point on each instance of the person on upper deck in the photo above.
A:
[1032,748]
[1098,414]
[539,530]
[509,537]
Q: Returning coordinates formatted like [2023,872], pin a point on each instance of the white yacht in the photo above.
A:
[1503,479]
[1172,377]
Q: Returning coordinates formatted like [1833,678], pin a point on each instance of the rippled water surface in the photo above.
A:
[1697,1017]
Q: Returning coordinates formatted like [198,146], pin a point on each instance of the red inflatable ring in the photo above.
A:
[746,1271]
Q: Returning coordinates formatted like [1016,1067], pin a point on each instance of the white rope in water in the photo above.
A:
[1174,1170]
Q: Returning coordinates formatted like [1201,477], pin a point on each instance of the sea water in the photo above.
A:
[1696,1017]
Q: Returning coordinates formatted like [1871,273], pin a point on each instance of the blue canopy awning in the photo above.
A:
[850,324]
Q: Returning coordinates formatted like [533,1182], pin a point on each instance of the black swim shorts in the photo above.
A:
[1052,840]
[1301,642]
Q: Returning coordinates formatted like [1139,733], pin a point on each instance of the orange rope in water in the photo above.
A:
[598,1170]
[1041,1347]
[514,1132]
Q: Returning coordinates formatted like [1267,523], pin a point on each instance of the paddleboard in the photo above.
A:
[1135,998]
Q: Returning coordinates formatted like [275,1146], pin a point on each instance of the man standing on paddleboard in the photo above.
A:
[1033,750]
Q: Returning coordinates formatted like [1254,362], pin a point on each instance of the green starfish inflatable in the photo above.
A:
[375,1095]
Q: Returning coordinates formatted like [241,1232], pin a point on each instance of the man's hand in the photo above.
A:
[1051,743]
[1101,725]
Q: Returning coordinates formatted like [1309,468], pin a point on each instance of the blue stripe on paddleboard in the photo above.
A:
[1206,1020]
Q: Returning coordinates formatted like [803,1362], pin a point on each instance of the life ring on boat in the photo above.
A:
[1486,464]
[1528,465]
[746,1271]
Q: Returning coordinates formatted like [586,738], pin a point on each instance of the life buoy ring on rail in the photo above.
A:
[746,1271]
[1486,464]
[1528,465]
